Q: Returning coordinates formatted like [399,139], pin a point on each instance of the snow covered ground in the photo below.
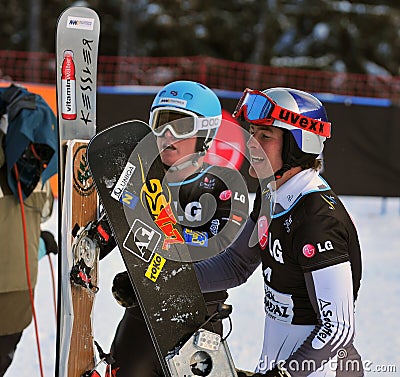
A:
[377,308]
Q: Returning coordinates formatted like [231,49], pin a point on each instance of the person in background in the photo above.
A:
[28,145]
[302,235]
[15,305]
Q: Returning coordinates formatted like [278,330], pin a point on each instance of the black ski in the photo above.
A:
[128,175]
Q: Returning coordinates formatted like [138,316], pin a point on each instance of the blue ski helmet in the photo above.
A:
[191,99]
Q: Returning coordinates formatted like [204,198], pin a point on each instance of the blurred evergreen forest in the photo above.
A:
[331,35]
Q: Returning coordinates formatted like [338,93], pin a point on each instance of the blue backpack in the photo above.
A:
[31,139]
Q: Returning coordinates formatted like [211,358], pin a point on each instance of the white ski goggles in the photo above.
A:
[181,123]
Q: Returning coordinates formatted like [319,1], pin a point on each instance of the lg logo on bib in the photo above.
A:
[309,250]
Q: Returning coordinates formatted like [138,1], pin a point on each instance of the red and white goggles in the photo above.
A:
[181,123]
[257,108]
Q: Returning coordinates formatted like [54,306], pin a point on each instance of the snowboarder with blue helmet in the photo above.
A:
[184,117]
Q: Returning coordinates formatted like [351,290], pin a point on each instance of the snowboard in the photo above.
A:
[129,178]
[77,38]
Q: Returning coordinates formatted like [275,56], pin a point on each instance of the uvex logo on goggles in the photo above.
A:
[257,108]
[294,119]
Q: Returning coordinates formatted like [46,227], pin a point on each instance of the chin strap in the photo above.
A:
[279,173]
[186,164]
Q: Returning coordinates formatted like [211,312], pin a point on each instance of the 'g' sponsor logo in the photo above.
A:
[193,211]
[275,249]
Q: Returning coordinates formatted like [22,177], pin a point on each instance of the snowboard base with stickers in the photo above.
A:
[129,178]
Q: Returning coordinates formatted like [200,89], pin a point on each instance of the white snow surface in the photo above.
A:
[376,313]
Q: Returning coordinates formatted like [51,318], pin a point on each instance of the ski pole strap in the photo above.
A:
[104,358]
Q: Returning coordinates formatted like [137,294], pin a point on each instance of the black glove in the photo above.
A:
[49,241]
[122,290]
[245,373]
[242,373]
[275,372]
